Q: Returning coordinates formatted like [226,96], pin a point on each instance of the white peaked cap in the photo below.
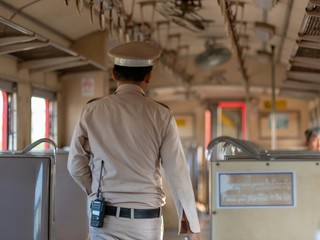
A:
[135,54]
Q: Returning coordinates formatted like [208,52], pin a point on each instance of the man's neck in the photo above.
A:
[142,84]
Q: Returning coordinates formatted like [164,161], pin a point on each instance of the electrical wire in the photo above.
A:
[20,9]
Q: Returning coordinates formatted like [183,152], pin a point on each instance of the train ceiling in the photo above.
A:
[220,44]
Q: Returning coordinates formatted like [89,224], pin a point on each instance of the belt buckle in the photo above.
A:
[125,212]
[138,213]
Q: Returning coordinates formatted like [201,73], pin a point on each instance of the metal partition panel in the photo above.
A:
[71,204]
[265,200]
[25,196]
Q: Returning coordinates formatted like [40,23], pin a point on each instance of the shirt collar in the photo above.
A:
[129,88]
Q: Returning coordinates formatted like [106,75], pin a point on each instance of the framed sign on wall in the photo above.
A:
[288,124]
[186,125]
[256,189]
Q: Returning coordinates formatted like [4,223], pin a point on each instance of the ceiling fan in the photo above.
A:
[184,13]
[213,55]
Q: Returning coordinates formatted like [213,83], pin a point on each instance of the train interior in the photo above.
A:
[240,76]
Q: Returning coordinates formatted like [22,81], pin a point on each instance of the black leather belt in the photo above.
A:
[137,213]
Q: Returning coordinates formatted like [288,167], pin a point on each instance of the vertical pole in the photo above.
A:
[245,112]
[273,109]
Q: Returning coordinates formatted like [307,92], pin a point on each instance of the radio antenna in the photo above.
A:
[100,178]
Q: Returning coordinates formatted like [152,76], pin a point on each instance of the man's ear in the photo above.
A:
[113,75]
[147,77]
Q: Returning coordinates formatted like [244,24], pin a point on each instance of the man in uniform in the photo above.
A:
[313,139]
[119,145]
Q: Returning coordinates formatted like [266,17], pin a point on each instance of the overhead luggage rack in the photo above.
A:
[39,54]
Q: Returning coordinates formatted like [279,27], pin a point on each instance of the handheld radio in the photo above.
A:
[98,206]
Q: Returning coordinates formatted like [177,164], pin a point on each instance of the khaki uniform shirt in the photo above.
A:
[134,136]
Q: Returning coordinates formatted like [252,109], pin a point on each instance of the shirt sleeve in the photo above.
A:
[177,174]
[79,156]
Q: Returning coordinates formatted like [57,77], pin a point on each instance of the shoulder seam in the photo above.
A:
[94,99]
[160,103]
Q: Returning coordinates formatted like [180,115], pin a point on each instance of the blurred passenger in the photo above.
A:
[313,139]
[119,145]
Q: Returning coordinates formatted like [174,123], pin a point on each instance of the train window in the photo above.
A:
[12,120]
[3,121]
[43,117]
[8,133]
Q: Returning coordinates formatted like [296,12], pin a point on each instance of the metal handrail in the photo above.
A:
[36,143]
[247,147]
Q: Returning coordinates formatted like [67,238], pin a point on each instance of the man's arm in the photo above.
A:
[177,174]
[79,158]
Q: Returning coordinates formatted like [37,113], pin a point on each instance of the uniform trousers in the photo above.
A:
[119,228]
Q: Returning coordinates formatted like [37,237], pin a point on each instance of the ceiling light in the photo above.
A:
[266,4]
[264,31]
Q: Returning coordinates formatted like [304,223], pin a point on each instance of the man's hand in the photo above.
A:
[186,227]
[193,236]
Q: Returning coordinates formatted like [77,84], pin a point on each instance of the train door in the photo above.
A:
[225,119]
[231,119]
[222,119]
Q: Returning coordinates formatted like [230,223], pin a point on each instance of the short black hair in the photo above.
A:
[311,131]
[136,74]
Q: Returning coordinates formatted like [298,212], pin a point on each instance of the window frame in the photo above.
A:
[9,135]
[50,113]
[4,120]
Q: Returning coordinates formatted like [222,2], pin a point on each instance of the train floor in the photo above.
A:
[205,230]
